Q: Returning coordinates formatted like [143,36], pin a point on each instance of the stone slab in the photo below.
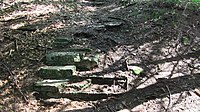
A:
[78,58]
[50,88]
[81,85]
[62,58]
[49,85]
[62,42]
[56,72]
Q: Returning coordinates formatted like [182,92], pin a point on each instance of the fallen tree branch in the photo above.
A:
[134,98]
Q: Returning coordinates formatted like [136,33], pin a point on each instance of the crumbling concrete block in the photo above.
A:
[82,87]
[62,42]
[56,72]
[82,58]
[50,88]
[62,58]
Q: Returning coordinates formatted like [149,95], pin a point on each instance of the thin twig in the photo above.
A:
[170,103]
[124,104]
[197,92]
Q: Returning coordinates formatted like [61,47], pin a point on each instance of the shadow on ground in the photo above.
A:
[149,37]
[134,97]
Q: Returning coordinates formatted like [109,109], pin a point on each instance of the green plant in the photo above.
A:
[195,0]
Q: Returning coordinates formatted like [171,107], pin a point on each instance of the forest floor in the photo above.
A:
[162,38]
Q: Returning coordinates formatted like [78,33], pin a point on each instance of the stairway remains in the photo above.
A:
[58,78]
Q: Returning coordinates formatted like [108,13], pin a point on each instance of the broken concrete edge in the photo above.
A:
[95,79]
[56,88]
[73,79]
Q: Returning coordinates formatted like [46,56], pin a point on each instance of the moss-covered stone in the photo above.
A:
[80,85]
[77,57]
[62,42]
[62,58]
[79,50]
[56,72]
[48,85]
[50,88]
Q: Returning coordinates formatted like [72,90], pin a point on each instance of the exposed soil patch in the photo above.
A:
[163,39]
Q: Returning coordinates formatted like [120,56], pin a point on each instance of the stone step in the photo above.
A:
[49,85]
[56,72]
[62,58]
[62,42]
[78,59]
[50,88]
[80,85]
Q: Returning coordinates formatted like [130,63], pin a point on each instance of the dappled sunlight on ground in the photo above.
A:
[89,8]
[32,10]
[158,39]
[178,102]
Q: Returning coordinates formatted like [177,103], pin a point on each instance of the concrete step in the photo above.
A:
[82,86]
[62,42]
[56,72]
[62,58]
[79,59]
[49,88]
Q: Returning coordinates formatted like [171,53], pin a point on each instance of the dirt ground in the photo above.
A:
[162,38]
